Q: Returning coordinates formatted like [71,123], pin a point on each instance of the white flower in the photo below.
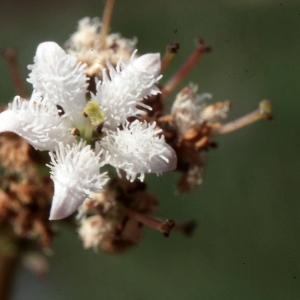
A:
[56,107]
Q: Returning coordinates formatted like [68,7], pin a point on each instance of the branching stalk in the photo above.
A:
[187,66]
[164,227]
[263,112]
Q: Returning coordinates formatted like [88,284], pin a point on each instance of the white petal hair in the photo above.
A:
[138,148]
[75,172]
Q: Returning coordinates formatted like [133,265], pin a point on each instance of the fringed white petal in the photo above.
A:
[119,94]
[59,76]
[75,172]
[139,149]
[37,121]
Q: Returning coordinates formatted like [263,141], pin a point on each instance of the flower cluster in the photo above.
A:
[98,103]
[59,118]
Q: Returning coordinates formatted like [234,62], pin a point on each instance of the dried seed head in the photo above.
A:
[105,222]
[14,152]
[84,44]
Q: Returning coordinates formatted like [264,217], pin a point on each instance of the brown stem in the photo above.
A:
[8,263]
[171,50]
[164,227]
[10,56]
[263,112]
[181,73]
[106,17]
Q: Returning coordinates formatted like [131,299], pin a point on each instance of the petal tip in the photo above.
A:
[149,63]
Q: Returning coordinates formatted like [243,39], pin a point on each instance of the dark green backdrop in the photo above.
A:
[247,243]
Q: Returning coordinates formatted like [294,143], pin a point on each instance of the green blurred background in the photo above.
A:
[247,242]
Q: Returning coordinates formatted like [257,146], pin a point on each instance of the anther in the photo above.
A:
[97,139]
[100,127]
[173,47]
[201,46]
[167,227]
[61,111]
[171,50]
[265,107]
[75,132]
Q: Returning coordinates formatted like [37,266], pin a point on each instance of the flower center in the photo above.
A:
[95,119]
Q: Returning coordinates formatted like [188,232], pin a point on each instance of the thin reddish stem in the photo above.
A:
[106,17]
[187,66]
[171,50]
[164,227]
[263,112]
[10,56]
